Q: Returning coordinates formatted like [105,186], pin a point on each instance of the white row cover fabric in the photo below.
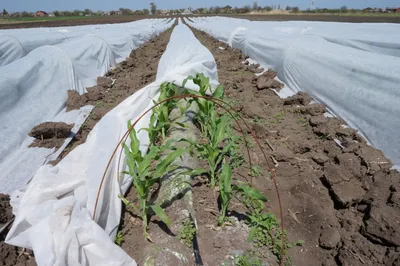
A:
[353,69]
[53,214]
[34,88]
[15,44]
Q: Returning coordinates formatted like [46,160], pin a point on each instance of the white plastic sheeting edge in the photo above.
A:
[17,43]
[53,215]
[34,88]
[357,83]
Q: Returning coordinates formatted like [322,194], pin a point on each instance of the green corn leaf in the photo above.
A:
[227,173]
[219,92]
[250,192]
[128,203]
[252,234]
[194,172]
[161,214]
[180,124]
[162,167]
[186,80]
[134,140]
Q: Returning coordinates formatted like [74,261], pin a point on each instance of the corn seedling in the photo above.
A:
[159,120]
[187,232]
[205,128]
[144,176]
[206,107]
[225,191]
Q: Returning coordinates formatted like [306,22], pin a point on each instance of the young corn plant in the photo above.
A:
[146,170]
[210,149]
[159,121]
[206,107]
[225,191]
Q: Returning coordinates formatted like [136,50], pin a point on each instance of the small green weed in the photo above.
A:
[279,117]
[258,120]
[100,104]
[119,238]
[302,121]
[255,171]
[324,136]
[187,232]
[250,143]
[247,260]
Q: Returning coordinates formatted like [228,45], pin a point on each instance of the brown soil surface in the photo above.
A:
[326,18]
[5,210]
[342,201]
[50,134]
[74,22]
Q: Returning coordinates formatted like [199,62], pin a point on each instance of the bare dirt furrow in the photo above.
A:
[342,200]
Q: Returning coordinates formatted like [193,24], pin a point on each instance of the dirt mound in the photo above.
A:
[50,134]
[75,100]
[49,130]
[338,194]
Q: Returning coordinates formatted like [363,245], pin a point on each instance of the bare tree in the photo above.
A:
[153,8]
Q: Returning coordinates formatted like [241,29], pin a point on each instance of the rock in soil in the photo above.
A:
[329,239]
[49,130]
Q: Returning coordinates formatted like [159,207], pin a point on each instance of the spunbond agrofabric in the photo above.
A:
[34,88]
[53,215]
[354,69]
[17,43]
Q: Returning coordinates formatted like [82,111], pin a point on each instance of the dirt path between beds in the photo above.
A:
[126,78]
[343,201]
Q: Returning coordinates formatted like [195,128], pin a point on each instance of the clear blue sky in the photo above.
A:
[49,5]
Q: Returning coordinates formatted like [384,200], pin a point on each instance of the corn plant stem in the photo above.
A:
[218,102]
